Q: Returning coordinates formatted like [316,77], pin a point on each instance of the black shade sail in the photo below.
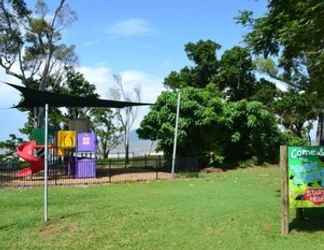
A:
[34,98]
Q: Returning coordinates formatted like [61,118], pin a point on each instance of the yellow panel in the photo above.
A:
[60,152]
[66,139]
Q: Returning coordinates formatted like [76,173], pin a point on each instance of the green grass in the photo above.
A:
[233,210]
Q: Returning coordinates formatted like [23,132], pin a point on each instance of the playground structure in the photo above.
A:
[75,149]
[34,99]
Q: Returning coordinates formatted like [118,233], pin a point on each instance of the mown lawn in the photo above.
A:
[234,210]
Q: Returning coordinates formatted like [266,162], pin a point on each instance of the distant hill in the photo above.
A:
[136,145]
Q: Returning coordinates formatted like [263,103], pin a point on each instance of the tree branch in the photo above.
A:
[9,72]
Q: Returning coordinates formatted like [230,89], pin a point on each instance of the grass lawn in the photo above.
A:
[233,210]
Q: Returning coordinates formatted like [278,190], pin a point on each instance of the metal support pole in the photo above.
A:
[175,136]
[46,166]
[284,190]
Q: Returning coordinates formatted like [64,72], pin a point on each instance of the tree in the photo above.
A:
[236,74]
[107,133]
[203,55]
[266,92]
[199,108]
[233,74]
[31,47]
[296,112]
[9,146]
[249,130]
[281,33]
[101,120]
[232,131]
[126,116]
[75,84]
[71,83]
[11,143]
[291,32]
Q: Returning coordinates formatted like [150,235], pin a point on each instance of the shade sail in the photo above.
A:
[34,98]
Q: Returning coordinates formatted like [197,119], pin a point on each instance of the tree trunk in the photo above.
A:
[320,130]
[106,154]
[127,151]
[40,117]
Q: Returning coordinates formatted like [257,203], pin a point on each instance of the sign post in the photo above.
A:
[302,183]
[284,191]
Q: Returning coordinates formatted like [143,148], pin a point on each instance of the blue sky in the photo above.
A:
[142,40]
[163,28]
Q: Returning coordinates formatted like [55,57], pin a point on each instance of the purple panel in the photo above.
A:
[86,142]
[85,168]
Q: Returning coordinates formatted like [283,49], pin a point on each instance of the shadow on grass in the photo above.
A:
[59,218]
[313,221]
[71,215]
[4,227]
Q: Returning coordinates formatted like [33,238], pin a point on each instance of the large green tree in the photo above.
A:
[199,108]
[233,73]
[203,55]
[232,131]
[236,75]
[74,83]
[291,33]
[225,109]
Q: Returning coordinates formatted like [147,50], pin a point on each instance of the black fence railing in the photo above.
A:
[68,171]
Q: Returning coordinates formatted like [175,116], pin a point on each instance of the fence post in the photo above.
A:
[109,170]
[284,190]
[157,168]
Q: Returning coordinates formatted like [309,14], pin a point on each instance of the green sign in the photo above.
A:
[306,176]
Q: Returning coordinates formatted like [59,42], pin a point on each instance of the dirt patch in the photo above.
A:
[212,170]
[268,227]
[54,229]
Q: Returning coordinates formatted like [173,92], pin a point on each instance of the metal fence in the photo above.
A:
[62,172]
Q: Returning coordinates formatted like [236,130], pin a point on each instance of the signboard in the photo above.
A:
[306,177]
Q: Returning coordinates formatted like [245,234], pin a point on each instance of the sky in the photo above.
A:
[141,40]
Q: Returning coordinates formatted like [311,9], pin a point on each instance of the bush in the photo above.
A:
[288,138]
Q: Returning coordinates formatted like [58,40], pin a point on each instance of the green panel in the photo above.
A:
[38,134]
[306,176]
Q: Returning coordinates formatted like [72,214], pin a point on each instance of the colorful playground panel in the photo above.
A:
[66,139]
[84,168]
[89,155]
[306,176]
[86,142]
[38,134]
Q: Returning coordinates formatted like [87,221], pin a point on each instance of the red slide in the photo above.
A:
[26,152]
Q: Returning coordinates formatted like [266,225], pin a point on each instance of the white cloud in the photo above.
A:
[8,95]
[101,76]
[130,28]
[150,85]
[11,120]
